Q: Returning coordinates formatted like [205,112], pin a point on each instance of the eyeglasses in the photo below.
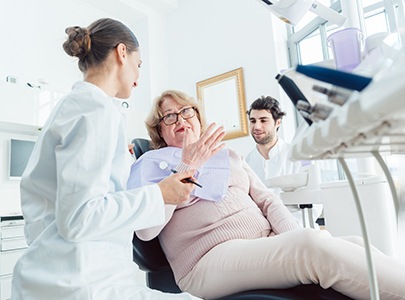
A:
[185,113]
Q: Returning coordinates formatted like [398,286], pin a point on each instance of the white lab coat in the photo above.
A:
[79,217]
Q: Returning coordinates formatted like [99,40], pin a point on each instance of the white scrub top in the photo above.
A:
[278,164]
[79,216]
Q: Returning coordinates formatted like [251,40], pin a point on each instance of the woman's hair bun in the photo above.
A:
[78,43]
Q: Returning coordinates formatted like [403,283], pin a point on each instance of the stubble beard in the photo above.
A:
[265,140]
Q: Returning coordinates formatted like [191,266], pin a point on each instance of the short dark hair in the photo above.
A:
[268,103]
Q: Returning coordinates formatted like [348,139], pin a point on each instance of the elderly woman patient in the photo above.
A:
[233,234]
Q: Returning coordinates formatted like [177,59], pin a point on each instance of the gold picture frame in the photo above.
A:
[224,102]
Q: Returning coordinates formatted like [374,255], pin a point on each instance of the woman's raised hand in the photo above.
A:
[196,154]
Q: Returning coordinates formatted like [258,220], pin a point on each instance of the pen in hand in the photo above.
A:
[188,179]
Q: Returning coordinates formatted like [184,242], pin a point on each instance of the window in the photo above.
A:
[311,48]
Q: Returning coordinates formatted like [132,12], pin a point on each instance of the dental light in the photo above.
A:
[292,11]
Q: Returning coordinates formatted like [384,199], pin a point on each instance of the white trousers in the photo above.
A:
[296,257]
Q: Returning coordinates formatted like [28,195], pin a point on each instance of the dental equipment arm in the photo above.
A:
[292,11]
[293,92]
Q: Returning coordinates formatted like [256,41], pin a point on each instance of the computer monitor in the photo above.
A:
[20,152]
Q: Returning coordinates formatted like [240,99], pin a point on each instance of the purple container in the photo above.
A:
[346,46]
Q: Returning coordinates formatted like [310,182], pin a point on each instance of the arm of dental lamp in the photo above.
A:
[292,11]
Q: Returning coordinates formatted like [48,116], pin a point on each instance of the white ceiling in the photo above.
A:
[161,6]
[132,9]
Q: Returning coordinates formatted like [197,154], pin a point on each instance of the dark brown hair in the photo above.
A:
[93,44]
[267,103]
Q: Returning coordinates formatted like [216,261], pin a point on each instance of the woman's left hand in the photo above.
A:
[196,154]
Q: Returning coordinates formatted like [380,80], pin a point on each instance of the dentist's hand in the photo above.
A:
[175,190]
[196,154]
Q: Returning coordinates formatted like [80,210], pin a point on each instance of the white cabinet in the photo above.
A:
[12,245]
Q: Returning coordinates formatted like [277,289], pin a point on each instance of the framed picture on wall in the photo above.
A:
[224,102]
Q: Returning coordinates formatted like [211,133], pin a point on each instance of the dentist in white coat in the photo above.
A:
[79,216]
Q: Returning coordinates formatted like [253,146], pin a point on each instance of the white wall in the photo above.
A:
[195,41]
[33,33]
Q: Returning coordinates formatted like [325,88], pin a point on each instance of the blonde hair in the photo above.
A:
[153,120]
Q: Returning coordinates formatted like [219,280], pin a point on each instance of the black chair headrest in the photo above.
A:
[141,146]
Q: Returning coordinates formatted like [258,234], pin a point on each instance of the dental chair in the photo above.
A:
[149,256]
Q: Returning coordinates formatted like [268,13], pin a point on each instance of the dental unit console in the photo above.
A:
[369,122]
[369,118]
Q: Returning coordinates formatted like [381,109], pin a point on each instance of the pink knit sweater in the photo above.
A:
[248,211]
